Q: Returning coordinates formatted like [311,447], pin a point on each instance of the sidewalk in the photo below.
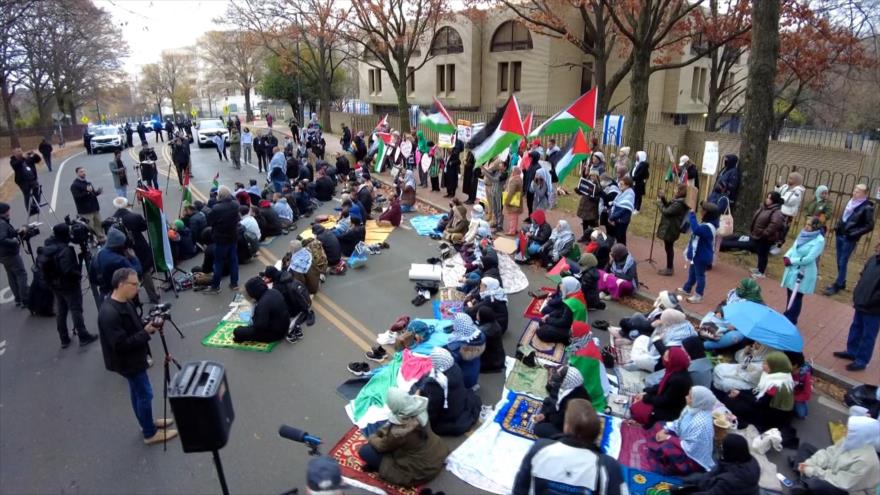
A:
[824,322]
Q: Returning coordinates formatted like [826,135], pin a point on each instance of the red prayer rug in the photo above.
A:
[345,452]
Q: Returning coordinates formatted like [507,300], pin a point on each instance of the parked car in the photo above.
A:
[107,137]
[207,129]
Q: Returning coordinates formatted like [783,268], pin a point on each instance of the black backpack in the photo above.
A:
[49,266]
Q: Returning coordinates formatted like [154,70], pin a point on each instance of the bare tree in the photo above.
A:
[176,71]
[151,86]
[726,83]
[238,57]
[11,58]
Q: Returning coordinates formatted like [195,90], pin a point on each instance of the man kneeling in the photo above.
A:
[270,316]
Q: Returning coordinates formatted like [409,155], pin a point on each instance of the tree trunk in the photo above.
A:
[758,110]
[324,96]
[714,94]
[400,89]
[10,120]
[638,85]
[603,97]
[248,111]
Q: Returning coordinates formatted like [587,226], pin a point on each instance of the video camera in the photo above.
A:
[80,232]
[159,313]
[29,231]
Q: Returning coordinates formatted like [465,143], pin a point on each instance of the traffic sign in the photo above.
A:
[84,119]
[193,112]
[226,109]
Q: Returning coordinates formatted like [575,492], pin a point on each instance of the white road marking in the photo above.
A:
[58,179]
[6,295]
[2,347]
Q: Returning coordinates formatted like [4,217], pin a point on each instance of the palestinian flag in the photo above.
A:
[156,229]
[216,182]
[187,194]
[579,115]
[438,119]
[527,128]
[588,360]
[382,121]
[573,154]
[384,140]
[503,130]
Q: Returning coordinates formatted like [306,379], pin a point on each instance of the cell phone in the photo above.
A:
[785,481]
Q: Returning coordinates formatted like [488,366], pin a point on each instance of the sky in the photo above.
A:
[151,26]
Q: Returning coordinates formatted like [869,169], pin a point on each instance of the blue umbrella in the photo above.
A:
[765,325]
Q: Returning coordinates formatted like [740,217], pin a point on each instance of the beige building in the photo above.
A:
[476,65]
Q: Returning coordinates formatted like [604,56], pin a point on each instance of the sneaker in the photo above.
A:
[604,296]
[843,355]
[310,319]
[681,290]
[377,354]
[86,338]
[212,291]
[386,338]
[160,437]
[358,368]
[694,299]
[233,287]
[774,251]
[754,270]
[294,337]
[757,276]
[163,422]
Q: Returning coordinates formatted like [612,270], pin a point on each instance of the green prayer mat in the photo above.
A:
[221,336]
[531,381]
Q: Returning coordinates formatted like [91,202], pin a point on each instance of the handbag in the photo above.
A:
[725,223]
[515,200]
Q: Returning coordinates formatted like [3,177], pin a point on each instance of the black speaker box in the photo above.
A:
[202,406]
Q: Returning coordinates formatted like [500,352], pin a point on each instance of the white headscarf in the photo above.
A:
[561,237]
[403,406]
[442,360]
[409,180]
[641,156]
[568,286]
[494,291]
[861,431]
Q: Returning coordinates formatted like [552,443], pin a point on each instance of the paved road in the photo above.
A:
[67,425]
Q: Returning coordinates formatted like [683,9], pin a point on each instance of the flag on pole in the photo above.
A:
[187,194]
[498,134]
[612,130]
[384,140]
[527,128]
[382,121]
[579,115]
[574,153]
[438,119]
[216,182]
[156,229]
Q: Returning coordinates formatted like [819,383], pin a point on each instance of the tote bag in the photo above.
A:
[515,200]
[725,223]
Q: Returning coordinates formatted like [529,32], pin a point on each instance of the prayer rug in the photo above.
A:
[512,276]
[549,352]
[375,233]
[425,225]
[345,452]
[646,483]
[329,223]
[634,445]
[504,245]
[533,310]
[555,273]
[516,416]
[837,430]
[623,347]
[450,294]
[525,380]
[445,310]
[221,336]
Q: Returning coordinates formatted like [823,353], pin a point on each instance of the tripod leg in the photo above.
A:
[219,465]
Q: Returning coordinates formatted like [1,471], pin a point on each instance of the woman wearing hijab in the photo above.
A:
[684,446]
[640,173]
[450,172]
[513,200]
[452,408]
[466,344]
[820,207]
[558,245]
[588,205]
[405,451]
[536,236]
[392,216]
[665,401]
[562,309]
[621,277]
[458,224]
[408,192]
[771,402]
[492,296]
[301,266]
[564,384]
[792,193]
[622,209]
[597,163]
[493,357]
[542,187]
[422,148]
[745,370]
[801,270]
[850,466]
[736,473]
[589,279]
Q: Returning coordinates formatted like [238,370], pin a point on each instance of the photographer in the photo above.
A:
[61,268]
[113,256]
[10,257]
[133,226]
[25,169]
[85,196]
[147,158]
[125,343]
[180,156]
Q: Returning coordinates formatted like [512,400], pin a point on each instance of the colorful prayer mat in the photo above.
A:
[221,336]
[634,445]
[646,483]
[375,233]
[516,416]
[550,352]
[450,294]
[533,310]
[445,310]
[345,452]
[425,225]
[525,380]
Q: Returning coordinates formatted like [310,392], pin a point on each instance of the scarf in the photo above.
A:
[627,264]
[403,406]
[806,236]
[562,238]
[568,286]
[851,206]
[463,329]
[861,431]
[675,361]
[409,180]
[572,380]
[818,193]
[749,290]
[779,378]
[441,360]
[494,291]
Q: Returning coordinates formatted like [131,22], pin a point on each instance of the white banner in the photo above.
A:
[710,158]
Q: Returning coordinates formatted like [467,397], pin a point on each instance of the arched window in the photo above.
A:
[446,42]
[510,36]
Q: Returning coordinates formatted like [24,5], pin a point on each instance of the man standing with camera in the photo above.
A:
[147,161]
[133,226]
[62,271]
[25,169]
[125,343]
[10,258]
[85,196]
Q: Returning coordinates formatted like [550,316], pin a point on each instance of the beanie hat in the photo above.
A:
[61,232]
[179,225]
[588,261]
[115,238]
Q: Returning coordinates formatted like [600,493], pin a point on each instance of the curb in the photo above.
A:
[820,371]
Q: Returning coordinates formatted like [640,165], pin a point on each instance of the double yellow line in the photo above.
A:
[350,326]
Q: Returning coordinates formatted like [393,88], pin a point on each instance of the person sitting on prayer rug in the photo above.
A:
[466,344]
[270,316]
[458,224]
[561,310]
[589,279]
[491,295]
[558,245]
[684,446]
[665,401]
[493,357]
[736,473]
[621,277]
[564,385]
[452,408]
[771,403]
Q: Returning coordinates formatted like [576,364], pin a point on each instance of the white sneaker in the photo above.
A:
[681,290]
[635,212]
[754,270]
[604,296]
[386,338]
[775,250]
[694,299]
[757,276]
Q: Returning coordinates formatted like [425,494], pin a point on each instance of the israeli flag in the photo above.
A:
[612,130]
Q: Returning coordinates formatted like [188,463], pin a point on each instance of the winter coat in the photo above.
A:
[332,247]
[270,317]
[669,403]
[9,245]
[223,220]
[728,478]
[196,223]
[727,183]
[767,224]
[590,287]
[497,307]
[554,415]
[411,454]
[514,187]
[866,295]
[124,342]
[856,471]
[67,262]
[791,199]
[493,357]
[350,239]
[462,405]
[393,214]
[704,234]
[672,215]
[588,206]
[86,202]
[859,223]
[803,259]
[25,170]
[136,226]
[549,460]
[117,171]
[467,356]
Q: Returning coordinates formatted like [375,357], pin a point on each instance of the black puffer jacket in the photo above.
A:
[462,405]
[332,248]
[728,478]
[86,202]
[67,263]
[270,318]
[224,220]
[9,245]
[590,287]
[866,296]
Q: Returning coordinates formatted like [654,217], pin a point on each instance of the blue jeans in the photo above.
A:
[800,410]
[696,275]
[795,311]
[122,192]
[225,254]
[844,251]
[728,339]
[533,248]
[142,401]
[862,337]
[407,208]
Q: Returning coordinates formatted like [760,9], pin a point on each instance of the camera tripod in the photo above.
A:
[162,311]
